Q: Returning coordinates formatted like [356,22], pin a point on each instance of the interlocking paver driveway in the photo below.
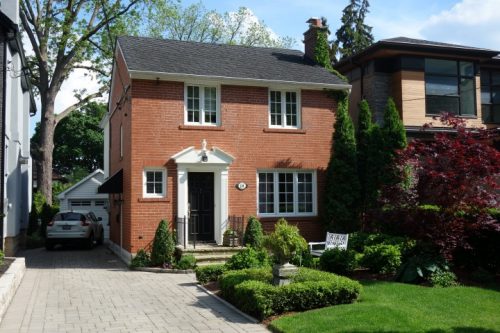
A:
[92,291]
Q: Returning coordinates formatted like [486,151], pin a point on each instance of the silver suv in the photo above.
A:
[68,227]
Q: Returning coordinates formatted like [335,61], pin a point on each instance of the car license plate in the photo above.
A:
[66,227]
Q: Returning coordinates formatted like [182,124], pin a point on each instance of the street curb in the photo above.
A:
[9,282]
[229,305]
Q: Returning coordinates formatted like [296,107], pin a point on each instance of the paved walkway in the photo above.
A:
[92,291]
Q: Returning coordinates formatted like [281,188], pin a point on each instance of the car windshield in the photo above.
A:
[68,217]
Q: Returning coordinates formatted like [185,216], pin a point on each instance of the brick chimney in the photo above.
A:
[311,36]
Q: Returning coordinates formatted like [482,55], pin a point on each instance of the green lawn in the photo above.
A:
[396,307]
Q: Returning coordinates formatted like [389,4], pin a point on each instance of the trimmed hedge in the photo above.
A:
[250,290]
[338,261]
[205,274]
[382,258]
[248,258]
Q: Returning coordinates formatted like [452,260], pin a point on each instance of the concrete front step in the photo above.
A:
[207,255]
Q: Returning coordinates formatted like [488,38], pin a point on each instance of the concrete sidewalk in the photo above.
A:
[92,291]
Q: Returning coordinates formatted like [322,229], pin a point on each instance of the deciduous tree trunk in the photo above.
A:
[47,127]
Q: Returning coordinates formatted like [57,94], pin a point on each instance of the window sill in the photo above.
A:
[153,200]
[268,218]
[458,116]
[203,128]
[284,130]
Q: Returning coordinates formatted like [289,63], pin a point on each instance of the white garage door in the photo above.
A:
[97,206]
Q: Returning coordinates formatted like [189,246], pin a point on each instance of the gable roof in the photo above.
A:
[222,61]
[416,46]
[81,182]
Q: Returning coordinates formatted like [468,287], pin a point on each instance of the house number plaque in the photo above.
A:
[241,186]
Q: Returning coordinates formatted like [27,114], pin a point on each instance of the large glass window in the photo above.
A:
[490,96]
[286,193]
[201,105]
[284,109]
[449,87]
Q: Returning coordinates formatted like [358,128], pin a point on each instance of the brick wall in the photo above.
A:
[155,132]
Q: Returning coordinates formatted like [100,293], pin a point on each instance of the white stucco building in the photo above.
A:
[17,104]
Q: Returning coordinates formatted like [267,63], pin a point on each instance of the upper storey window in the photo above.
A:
[201,105]
[450,87]
[490,96]
[284,109]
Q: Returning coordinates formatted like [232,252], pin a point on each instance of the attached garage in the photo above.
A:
[83,196]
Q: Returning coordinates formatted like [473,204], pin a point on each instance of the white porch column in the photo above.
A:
[182,198]
[224,179]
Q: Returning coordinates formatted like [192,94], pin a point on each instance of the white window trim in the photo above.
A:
[202,109]
[164,183]
[295,191]
[283,108]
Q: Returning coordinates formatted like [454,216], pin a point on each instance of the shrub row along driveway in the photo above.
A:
[92,291]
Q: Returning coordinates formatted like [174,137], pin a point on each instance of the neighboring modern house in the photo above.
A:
[426,78]
[82,196]
[208,131]
[17,104]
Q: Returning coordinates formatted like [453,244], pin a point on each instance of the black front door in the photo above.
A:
[201,205]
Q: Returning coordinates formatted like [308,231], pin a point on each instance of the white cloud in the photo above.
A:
[469,22]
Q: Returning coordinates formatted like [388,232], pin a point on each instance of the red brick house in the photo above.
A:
[208,131]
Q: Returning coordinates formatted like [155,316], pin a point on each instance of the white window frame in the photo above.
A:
[202,106]
[283,108]
[164,183]
[276,212]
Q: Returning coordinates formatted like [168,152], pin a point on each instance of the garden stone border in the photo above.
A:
[9,282]
[163,270]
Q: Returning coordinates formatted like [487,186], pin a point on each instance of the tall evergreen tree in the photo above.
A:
[394,139]
[364,145]
[342,184]
[353,35]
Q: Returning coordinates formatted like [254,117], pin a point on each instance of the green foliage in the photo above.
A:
[46,215]
[322,50]
[284,241]
[39,200]
[342,184]
[168,19]
[382,258]
[141,259]
[2,257]
[370,157]
[393,130]
[353,35]
[205,274]
[338,261]
[248,258]
[419,268]
[443,279]
[396,307]
[303,258]
[253,293]
[187,261]
[254,237]
[163,245]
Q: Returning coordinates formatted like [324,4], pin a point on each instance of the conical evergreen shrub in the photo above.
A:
[163,245]
[253,233]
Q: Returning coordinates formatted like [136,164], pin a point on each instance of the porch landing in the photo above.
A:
[208,254]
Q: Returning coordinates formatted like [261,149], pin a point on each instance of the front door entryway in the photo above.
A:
[201,206]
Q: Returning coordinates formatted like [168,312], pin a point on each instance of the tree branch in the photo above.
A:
[60,116]
[31,36]
[91,68]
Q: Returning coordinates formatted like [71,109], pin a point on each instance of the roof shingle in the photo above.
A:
[221,60]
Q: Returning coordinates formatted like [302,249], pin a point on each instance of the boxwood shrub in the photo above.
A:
[338,261]
[205,274]
[251,291]
[382,258]
[248,258]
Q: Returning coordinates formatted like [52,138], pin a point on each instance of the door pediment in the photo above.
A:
[215,156]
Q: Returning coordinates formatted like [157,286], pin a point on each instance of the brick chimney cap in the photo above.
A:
[315,22]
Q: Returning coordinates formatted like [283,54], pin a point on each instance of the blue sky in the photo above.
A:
[468,22]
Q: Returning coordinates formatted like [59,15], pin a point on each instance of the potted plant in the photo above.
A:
[230,238]
[283,243]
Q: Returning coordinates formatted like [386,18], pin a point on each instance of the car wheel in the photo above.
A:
[100,240]
[49,245]
[90,241]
